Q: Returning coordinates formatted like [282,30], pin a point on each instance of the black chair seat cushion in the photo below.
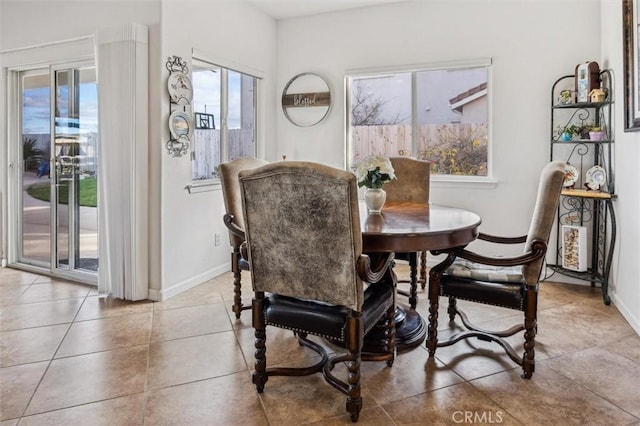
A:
[507,294]
[322,319]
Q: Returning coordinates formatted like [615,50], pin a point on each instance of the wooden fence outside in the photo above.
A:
[395,140]
[388,140]
[206,150]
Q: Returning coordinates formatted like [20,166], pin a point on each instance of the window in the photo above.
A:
[435,113]
[224,107]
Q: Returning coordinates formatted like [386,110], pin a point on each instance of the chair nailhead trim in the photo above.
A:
[374,324]
[521,307]
[299,330]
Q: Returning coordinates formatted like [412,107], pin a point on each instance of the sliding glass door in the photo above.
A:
[74,177]
[58,181]
[34,188]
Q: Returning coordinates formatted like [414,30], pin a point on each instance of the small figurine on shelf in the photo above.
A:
[597,95]
[566,97]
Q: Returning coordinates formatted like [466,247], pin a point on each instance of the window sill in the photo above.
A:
[197,187]
[462,182]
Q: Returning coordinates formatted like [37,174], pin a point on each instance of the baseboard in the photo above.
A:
[166,293]
[626,313]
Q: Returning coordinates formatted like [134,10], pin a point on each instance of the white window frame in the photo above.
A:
[203,57]
[15,60]
[440,180]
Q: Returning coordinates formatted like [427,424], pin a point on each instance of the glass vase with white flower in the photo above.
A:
[373,172]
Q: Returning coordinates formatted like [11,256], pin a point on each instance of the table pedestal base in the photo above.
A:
[411,331]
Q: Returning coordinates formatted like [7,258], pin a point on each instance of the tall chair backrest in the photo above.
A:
[549,189]
[231,190]
[412,180]
[302,222]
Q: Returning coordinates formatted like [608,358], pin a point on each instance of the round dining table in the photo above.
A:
[407,227]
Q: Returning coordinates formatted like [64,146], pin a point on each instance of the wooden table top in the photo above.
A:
[404,227]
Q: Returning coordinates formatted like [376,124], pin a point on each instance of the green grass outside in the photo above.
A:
[88,192]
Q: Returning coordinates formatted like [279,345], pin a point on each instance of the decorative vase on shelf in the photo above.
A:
[596,136]
[374,199]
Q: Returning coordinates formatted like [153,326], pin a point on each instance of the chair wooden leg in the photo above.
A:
[413,278]
[237,289]
[260,376]
[423,269]
[530,329]
[528,358]
[434,293]
[432,328]
[354,398]
[452,309]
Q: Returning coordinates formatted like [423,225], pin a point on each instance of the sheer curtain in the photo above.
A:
[122,65]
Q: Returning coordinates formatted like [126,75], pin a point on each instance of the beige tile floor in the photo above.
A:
[68,357]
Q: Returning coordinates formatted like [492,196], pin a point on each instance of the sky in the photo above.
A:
[206,96]
[206,99]
[36,109]
[434,88]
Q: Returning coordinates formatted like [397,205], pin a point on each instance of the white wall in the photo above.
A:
[530,48]
[522,37]
[27,23]
[626,266]
[183,224]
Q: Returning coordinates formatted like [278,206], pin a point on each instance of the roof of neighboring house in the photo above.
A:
[467,96]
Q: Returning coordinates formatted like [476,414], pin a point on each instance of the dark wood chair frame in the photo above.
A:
[527,360]
[231,195]
[238,264]
[353,342]
[335,291]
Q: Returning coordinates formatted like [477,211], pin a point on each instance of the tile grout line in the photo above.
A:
[26,407]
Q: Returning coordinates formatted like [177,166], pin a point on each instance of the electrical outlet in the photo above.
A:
[217,239]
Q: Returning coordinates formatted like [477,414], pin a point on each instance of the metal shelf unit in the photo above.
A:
[580,206]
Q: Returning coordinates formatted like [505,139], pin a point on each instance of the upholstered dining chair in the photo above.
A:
[304,244]
[234,221]
[510,281]
[411,185]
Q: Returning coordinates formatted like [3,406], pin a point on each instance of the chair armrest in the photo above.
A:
[502,240]
[538,250]
[244,253]
[375,274]
[233,228]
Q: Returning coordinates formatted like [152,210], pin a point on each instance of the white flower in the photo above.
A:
[374,171]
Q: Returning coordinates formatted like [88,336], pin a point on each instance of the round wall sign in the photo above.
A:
[306,99]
